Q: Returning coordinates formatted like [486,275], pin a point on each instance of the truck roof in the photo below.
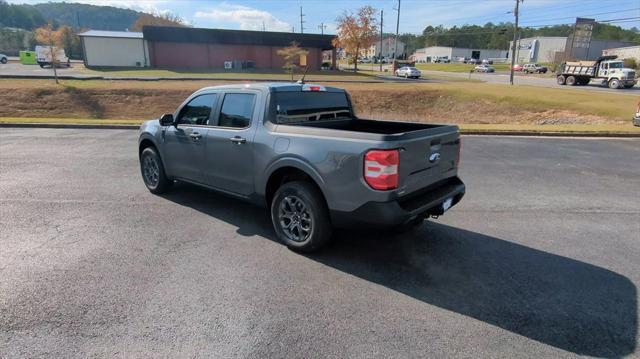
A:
[272,87]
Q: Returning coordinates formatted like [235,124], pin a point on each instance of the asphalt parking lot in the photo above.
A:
[540,259]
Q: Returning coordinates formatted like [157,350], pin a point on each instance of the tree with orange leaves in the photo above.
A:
[46,35]
[158,19]
[356,31]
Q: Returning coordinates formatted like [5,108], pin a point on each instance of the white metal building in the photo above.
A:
[629,52]
[114,48]
[544,49]
[428,54]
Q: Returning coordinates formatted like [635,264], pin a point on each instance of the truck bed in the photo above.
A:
[367,129]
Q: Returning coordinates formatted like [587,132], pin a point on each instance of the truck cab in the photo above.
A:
[615,70]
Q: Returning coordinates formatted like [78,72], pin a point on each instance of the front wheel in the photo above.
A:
[4,60]
[152,170]
[614,83]
[300,216]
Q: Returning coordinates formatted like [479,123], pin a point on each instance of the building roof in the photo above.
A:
[234,37]
[120,34]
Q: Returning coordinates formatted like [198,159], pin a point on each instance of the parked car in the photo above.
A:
[471,61]
[3,58]
[534,69]
[636,118]
[517,67]
[487,62]
[484,68]
[443,60]
[300,151]
[408,72]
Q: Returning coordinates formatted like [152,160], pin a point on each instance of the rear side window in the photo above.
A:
[197,111]
[237,109]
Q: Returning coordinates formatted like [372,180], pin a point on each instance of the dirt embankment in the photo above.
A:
[396,103]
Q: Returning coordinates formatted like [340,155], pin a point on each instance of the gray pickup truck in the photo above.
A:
[300,150]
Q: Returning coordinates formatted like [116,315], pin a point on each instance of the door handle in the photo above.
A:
[195,136]
[238,140]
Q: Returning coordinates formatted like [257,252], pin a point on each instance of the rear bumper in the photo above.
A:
[427,201]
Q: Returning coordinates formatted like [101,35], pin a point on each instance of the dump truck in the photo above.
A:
[607,69]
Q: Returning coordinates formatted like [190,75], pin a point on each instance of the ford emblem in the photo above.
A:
[435,157]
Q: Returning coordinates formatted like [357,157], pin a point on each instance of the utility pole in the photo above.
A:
[381,31]
[515,41]
[322,26]
[301,21]
[395,51]
[263,27]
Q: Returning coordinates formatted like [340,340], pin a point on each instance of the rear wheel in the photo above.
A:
[300,216]
[561,80]
[4,60]
[571,81]
[614,83]
[152,170]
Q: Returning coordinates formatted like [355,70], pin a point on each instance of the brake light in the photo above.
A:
[381,169]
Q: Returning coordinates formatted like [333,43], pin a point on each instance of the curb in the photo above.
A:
[64,125]
[463,132]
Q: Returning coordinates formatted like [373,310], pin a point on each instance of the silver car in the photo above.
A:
[484,68]
[408,72]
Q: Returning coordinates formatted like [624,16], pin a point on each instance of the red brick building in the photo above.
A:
[184,47]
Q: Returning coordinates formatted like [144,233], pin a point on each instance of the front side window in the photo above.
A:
[197,111]
[237,110]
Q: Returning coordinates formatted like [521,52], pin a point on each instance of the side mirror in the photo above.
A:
[166,119]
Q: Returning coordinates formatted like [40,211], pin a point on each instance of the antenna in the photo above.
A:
[301,81]
[301,21]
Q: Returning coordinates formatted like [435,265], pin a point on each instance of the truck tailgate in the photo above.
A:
[427,158]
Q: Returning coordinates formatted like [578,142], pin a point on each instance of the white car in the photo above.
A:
[3,58]
[408,72]
[484,68]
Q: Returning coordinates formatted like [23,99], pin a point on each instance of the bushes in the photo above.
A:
[631,63]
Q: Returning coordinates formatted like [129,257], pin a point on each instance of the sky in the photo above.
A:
[415,15]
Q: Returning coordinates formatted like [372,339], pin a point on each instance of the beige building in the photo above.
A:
[388,48]
[114,49]
[629,52]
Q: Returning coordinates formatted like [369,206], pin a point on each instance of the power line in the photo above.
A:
[573,17]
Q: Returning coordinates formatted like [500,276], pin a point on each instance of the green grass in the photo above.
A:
[464,128]
[225,74]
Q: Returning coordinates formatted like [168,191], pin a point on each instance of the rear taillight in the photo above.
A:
[381,169]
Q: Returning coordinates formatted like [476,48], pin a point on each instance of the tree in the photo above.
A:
[291,54]
[70,42]
[163,19]
[46,35]
[356,31]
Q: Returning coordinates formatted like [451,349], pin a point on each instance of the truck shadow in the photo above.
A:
[559,301]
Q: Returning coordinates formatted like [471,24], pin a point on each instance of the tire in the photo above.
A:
[294,205]
[561,80]
[571,81]
[4,60]
[152,171]
[614,84]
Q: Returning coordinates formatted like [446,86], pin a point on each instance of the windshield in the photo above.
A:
[307,106]
[615,65]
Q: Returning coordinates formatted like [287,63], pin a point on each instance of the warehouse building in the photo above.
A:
[628,52]
[550,49]
[114,49]
[429,54]
[184,47]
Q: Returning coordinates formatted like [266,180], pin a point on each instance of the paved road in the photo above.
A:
[535,80]
[539,260]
